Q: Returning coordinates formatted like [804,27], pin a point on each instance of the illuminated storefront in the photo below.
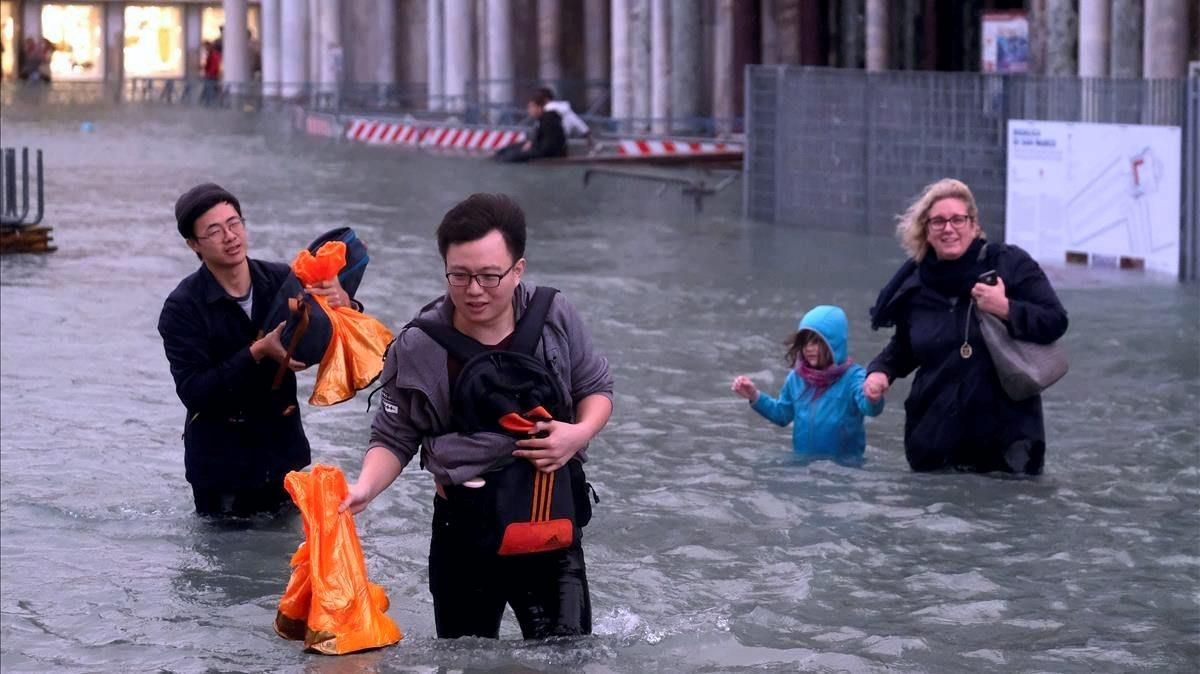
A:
[153,41]
[212,19]
[8,33]
[76,33]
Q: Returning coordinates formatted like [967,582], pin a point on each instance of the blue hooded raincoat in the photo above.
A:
[830,427]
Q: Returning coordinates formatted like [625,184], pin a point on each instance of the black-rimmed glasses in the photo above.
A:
[462,279]
[232,225]
[955,221]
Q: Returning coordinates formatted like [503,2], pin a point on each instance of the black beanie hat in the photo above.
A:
[196,201]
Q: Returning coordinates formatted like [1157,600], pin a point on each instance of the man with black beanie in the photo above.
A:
[241,435]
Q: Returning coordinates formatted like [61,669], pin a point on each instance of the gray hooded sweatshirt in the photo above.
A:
[415,411]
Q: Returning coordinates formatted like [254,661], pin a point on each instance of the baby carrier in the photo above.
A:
[508,391]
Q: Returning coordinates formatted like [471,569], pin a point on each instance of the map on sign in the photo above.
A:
[1104,194]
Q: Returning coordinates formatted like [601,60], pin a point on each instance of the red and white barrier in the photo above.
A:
[661,148]
[463,139]
[322,125]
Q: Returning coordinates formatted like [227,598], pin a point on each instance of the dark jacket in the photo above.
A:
[956,414]
[549,138]
[237,433]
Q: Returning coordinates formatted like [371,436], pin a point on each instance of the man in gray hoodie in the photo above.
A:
[482,242]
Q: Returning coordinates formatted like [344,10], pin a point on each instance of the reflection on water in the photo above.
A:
[711,550]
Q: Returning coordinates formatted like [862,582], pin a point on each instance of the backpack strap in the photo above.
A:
[526,334]
[458,345]
[528,331]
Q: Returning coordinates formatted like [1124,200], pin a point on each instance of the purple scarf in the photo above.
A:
[819,381]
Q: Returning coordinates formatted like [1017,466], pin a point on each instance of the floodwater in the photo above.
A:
[711,550]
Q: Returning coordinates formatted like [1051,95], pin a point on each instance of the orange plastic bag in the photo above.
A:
[329,603]
[354,357]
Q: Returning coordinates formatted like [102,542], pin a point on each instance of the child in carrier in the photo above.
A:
[822,396]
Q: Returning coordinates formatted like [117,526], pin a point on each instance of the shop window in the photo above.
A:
[153,41]
[75,41]
[212,23]
[8,32]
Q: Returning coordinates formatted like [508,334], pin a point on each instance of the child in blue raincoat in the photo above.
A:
[823,395]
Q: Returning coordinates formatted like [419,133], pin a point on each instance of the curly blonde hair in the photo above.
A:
[911,224]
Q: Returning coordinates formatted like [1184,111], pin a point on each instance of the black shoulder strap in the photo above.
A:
[458,345]
[526,334]
[528,331]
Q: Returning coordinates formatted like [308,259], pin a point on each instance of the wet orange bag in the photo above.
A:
[329,603]
[354,357]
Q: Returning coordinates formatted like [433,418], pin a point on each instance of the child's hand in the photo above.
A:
[745,388]
[875,386]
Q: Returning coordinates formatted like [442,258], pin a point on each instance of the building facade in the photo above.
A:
[648,60]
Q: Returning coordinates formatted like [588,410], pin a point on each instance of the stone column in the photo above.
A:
[878,35]
[549,30]
[31,23]
[113,17]
[1165,41]
[384,34]
[1126,39]
[315,46]
[770,31]
[269,41]
[293,44]
[1052,40]
[1093,38]
[639,61]
[850,28]
[686,65]
[460,51]
[193,42]
[235,54]
[330,46]
[436,18]
[660,66]
[724,94]
[501,67]
[788,29]
[412,50]
[622,78]
[1093,55]
[596,63]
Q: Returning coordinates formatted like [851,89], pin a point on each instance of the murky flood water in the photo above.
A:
[711,550]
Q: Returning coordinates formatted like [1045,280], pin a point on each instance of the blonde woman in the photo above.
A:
[957,415]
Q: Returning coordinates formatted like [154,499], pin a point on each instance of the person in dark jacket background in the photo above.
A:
[547,140]
[240,437]
[957,415]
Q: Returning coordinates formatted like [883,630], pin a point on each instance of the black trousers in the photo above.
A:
[548,592]
[268,499]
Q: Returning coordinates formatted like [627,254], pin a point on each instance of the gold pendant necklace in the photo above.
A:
[965,350]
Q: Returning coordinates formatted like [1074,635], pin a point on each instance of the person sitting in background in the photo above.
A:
[573,125]
[547,139]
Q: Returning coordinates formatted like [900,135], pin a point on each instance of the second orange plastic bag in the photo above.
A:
[329,603]
[354,357]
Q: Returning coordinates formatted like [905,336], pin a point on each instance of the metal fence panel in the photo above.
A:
[848,149]
[1190,239]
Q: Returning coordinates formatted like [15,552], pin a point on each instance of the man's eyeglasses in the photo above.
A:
[232,225]
[462,279]
[956,221]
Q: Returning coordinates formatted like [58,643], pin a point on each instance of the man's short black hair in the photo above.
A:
[196,202]
[548,93]
[472,218]
[539,98]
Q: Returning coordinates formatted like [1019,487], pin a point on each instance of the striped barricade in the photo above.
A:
[430,136]
[641,147]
